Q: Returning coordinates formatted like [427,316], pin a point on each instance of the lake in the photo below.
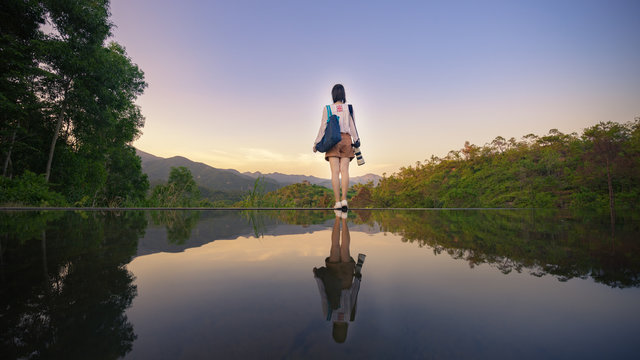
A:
[448,284]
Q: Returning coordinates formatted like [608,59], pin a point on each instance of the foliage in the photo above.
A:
[255,197]
[300,195]
[560,243]
[553,171]
[362,195]
[67,101]
[220,198]
[28,189]
[551,242]
[65,277]
[180,191]
[178,224]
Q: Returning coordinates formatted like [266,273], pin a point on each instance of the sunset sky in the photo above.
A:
[241,84]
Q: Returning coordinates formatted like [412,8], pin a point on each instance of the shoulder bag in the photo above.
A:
[331,133]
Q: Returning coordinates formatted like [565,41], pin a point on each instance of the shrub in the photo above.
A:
[29,189]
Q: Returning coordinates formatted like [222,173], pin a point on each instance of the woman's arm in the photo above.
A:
[323,126]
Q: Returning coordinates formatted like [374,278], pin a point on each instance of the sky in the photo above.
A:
[242,84]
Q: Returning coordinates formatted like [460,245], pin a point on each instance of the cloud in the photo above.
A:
[260,155]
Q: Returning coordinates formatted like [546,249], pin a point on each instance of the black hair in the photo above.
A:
[338,93]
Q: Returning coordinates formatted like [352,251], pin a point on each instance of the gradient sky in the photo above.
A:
[241,84]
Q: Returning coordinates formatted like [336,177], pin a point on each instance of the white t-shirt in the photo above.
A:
[344,119]
[348,300]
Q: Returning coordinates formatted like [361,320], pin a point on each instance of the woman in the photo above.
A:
[342,153]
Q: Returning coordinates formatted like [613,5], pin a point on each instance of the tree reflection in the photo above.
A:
[64,287]
[178,223]
[553,243]
[562,244]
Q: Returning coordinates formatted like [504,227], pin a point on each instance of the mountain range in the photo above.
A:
[214,179]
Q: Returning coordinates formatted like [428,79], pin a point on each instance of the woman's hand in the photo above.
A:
[314,148]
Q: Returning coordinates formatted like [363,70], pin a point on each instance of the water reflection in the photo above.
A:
[68,285]
[561,244]
[64,286]
[178,224]
[540,242]
[339,280]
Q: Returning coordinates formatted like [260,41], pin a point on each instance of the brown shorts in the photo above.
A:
[342,270]
[341,149]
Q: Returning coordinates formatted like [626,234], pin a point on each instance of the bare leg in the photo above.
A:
[345,254]
[334,252]
[344,172]
[334,162]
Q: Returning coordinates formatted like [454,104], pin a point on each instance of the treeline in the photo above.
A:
[67,111]
[598,169]
[298,195]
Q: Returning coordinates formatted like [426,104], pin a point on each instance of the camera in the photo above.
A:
[359,157]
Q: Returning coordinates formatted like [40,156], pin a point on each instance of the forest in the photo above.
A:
[67,111]
[599,169]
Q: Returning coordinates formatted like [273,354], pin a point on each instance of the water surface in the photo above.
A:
[226,284]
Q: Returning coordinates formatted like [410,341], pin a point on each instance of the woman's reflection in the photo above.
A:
[339,280]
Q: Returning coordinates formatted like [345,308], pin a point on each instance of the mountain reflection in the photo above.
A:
[64,287]
[538,242]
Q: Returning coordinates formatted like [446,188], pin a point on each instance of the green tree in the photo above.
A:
[606,143]
[552,171]
[67,100]
[19,30]
[180,191]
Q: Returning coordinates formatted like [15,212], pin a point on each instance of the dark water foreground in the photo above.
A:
[434,284]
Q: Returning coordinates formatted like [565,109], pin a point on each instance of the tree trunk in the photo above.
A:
[53,143]
[611,201]
[8,159]
[44,254]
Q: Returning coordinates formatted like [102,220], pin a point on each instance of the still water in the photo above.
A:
[281,284]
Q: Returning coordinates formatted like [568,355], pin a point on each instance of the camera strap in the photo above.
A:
[354,121]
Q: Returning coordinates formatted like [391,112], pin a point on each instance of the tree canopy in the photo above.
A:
[67,101]
[552,171]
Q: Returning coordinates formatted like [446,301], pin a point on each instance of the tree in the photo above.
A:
[19,29]
[181,190]
[606,143]
[67,99]
[70,53]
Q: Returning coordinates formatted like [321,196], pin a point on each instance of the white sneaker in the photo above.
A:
[344,205]
[338,205]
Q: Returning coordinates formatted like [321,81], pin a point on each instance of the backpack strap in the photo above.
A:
[328,113]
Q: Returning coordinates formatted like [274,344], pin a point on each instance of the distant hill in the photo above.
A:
[157,169]
[207,177]
[293,179]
